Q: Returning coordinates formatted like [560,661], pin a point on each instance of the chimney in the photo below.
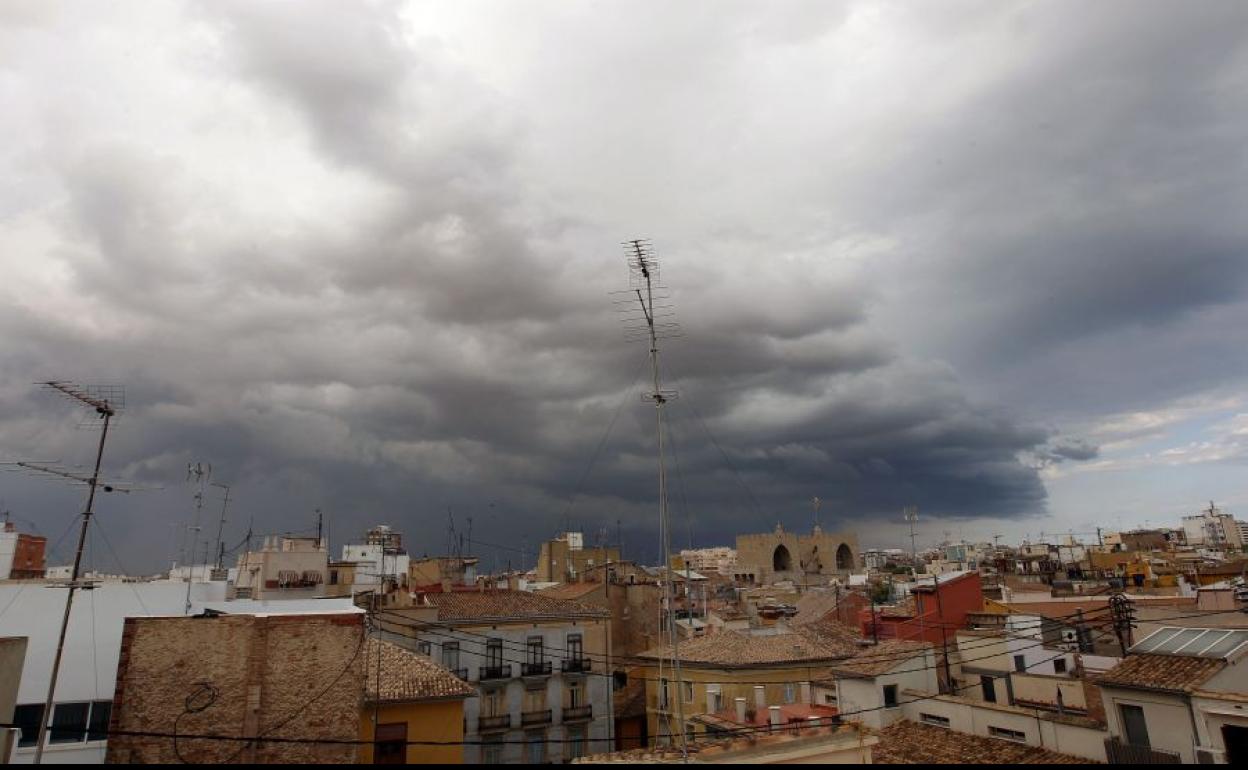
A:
[740,702]
[513,582]
[773,717]
[760,697]
[806,695]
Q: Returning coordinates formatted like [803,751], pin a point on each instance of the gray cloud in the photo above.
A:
[361,260]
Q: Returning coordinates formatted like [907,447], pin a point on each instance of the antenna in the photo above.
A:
[649,320]
[104,402]
[225,502]
[815,502]
[197,473]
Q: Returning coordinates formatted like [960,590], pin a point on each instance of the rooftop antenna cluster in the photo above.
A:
[649,316]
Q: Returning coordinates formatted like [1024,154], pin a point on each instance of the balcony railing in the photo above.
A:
[532,718]
[1119,753]
[486,673]
[577,665]
[578,713]
[486,724]
[542,668]
[462,673]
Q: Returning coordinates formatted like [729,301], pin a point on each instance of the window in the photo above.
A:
[576,695]
[890,696]
[492,750]
[26,718]
[620,679]
[535,748]
[537,654]
[687,691]
[934,719]
[829,699]
[1018,736]
[494,653]
[576,647]
[1059,666]
[1020,663]
[789,694]
[989,687]
[69,723]
[390,747]
[535,700]
[450,655]
[97,727]
[576,742]
[663,694]
[424,648]
[1134,726]
[333,577]
[494,703]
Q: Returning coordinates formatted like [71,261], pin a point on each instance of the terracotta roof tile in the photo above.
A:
[881,658]
[572,591]
[1175,673]
[734,648]
[402,675]
[508,605]
[911,743]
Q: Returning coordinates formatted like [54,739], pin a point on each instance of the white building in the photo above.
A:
[722,559]
[872,685]
[380,558]
[1214,529]
[1179,696]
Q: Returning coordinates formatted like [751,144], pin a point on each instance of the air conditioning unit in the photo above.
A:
[1209,756]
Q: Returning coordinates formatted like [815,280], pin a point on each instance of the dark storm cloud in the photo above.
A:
[352,276]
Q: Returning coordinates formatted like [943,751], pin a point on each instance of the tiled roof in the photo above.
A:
[508,605]
[1175,673]
[911,743]
[402,675]
[736,648]
[881,658]
[571,590]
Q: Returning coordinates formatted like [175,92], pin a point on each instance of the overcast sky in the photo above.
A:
[985,258]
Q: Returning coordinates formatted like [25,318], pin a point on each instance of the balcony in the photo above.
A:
[1120,753]
[535,718]
[542,668]
[498,722]
[578,713]
[577,665]
[493,673]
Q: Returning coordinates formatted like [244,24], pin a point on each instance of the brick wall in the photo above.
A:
[253,675]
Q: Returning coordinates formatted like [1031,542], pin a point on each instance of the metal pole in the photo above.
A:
[73,583]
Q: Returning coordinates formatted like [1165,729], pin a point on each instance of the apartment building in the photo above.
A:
[764,667]
[1179,697]
[21,555]
[413,709]
[540,666]
[285,567]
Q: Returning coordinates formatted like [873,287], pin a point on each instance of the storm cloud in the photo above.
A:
[359,256]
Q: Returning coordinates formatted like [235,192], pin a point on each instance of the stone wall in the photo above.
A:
[287,676]
[781,555]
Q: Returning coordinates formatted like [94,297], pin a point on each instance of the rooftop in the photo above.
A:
[738,648]
[508,605]
[403,675]
[911,743]
[881,658]
[1170,673]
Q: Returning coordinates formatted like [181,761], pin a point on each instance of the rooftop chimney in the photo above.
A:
[760,697]
[773,717]
[740,702]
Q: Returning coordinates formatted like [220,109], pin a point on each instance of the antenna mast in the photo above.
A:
[649,294]
[102,402]
[225,502]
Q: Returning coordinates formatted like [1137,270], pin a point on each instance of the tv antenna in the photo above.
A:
[649,317]
[198,474]
[225,502]
[104,402]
